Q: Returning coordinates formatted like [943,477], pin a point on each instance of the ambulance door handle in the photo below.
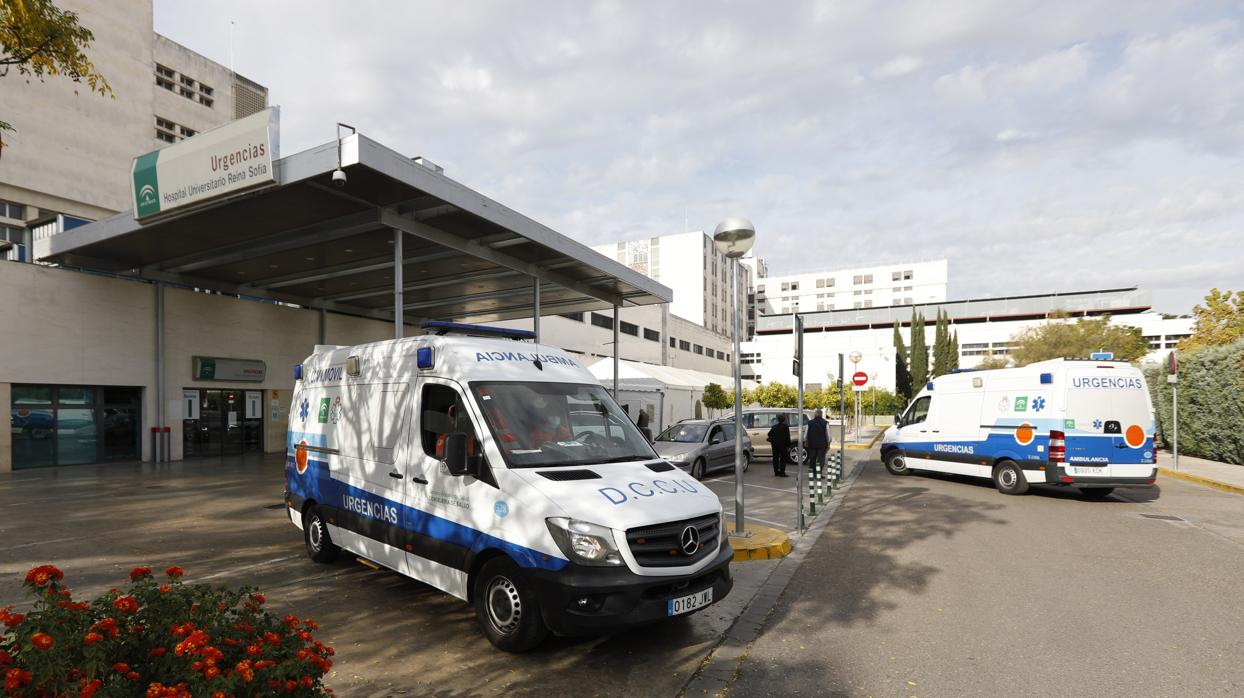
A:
[395,475]
[937,431]
[419,480]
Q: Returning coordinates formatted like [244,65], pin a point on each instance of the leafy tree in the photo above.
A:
[954,350]
[1061,339]
[902,374]
[1219,322]
[715,397]
[919,352]
[40,41]
[941,345]
[775,395]
[748,397]
[990,362]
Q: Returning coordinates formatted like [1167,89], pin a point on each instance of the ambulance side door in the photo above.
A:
[444,520]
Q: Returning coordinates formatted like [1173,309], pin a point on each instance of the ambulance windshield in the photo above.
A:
[556,424]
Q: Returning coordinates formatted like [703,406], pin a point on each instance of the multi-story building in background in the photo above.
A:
[72,149]
[689,264]
[847,289]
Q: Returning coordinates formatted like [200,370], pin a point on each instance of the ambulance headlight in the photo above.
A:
[585,543]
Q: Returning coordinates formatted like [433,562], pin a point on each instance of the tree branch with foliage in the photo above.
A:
[1059,338]
[919,352]
[1219,322]
[902,375]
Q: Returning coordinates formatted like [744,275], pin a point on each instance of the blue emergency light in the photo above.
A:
[297,372]
[1102,356]
[423,357]
[443,328]
[929,385]
[1047,378]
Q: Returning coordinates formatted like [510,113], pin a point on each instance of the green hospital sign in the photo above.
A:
[231,158]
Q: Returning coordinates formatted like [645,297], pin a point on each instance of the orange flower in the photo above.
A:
[121,667]
[211,672]
[132,676]
[311,624]
[164,588]
[258,598]
[291,621]
[42,641]
[93,638]
[12,620]
[139,572]
[174,572]
[89,689]
[43,574]
[158,652]
[125,604]
[5,658]
[16,678]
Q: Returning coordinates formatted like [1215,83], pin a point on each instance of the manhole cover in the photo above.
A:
[1162,517]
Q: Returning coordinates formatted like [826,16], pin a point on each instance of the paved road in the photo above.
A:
[225,523]
[936,585]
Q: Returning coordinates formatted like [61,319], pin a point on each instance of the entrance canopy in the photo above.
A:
[308,241]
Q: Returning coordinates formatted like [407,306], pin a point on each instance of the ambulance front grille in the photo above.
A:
[662,545]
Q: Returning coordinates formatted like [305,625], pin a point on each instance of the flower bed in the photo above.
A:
[156,638]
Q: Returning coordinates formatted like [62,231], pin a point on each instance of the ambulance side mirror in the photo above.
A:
[898,420]
[456,454]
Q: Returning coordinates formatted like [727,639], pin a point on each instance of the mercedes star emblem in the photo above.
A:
[690,540]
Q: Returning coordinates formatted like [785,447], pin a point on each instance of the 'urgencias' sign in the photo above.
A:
[225,160]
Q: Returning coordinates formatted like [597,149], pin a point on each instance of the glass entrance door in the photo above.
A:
[222,428]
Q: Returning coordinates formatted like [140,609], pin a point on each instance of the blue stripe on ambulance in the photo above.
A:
[317,484]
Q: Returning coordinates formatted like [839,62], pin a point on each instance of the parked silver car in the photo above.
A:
[701,446]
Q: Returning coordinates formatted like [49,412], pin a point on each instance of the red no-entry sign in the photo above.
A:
[860,378]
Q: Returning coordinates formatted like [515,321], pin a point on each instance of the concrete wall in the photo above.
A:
[71,328]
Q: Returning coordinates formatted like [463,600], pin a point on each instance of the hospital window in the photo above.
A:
[602,321]
[697,349]
[652,335]
[684,345]
[577,317]
[11,210]
[629,328]
[71,425]
[673,343]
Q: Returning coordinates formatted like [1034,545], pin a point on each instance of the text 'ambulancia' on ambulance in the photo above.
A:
[500,472]
[1069,423]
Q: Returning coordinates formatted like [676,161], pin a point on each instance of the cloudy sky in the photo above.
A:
[1039,146]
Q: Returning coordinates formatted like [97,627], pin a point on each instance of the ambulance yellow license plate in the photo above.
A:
[691,602]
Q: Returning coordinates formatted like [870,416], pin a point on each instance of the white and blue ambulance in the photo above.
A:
[1069,423]
[499,471]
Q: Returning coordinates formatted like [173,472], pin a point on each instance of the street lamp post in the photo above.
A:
[733,238]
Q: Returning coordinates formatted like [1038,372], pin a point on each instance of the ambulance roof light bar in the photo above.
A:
[443,328]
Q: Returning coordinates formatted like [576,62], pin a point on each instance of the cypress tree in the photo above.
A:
[902,376]
[919,353]
[954,350]
[941,346]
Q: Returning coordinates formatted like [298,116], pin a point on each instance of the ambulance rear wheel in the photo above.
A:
[897,464]
[507,608]
[320,546]
[1008,478]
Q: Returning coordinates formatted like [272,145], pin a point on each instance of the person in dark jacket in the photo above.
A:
[642,423]
[818,440]
[779,439]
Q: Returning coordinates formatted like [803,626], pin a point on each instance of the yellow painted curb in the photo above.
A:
[1225,487]
[764,544]
[872,443]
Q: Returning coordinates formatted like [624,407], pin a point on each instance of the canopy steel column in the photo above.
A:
[615,351]
[157,450]
[535,303]
[399,310]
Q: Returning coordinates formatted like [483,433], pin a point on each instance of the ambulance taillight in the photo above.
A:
[1058,447]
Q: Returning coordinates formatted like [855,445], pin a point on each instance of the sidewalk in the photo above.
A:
[1222,476]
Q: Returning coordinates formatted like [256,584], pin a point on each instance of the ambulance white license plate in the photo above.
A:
[1087,470]
[687,604]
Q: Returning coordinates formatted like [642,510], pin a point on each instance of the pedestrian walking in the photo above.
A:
[818,439]
[779,439]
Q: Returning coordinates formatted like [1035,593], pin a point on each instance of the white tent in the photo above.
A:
[666,394]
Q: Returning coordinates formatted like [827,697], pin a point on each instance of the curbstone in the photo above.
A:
[1197,479]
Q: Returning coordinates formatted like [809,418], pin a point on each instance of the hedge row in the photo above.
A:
[1211,402]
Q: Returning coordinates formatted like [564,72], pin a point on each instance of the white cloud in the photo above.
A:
[1041,148]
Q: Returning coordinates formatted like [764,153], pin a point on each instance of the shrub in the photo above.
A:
[1211,402]
[155,639]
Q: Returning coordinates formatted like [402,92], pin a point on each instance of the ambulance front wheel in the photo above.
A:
[320,546]
[1008,478]
[507,608]
[897,464]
